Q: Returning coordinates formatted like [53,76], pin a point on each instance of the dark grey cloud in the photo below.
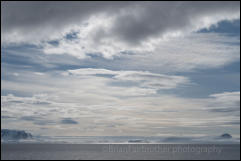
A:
[133,22]
[68,121]
[160,17]
[26,15]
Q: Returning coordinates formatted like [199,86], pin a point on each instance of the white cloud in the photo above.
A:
[39,73]
[195,51]
[16,74]
[227,96]
[226,102]
[181,53]
[143,79]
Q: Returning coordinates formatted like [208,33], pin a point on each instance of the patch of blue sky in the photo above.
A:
[17,93]
[53,42]
[72,35]
[232,28]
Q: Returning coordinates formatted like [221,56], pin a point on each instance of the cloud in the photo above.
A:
[7,117]
[37,99]
[143,79]
[56,18]
[116,83]
[37,120]
[182,53]
[139,34]
[68,121]
[159,19]
[225,110]
[131,22]
[142,115]
[28,118]
[226,102]
[227,96]
[16,74]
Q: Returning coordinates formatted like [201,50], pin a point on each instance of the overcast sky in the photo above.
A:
[121,68]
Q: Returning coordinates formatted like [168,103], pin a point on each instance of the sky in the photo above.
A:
[121,68]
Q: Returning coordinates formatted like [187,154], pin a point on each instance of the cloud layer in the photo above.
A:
[137,78]
[144,32]
[143,116]
[130,21]
[100,101]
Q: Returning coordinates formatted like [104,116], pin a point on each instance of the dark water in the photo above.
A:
[120,151]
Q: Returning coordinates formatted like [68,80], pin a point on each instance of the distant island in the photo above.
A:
[7,134]
[226,136]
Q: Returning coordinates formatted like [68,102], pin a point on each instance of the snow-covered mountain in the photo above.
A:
[14,135]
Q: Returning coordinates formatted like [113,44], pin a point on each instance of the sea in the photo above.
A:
[120,148]
[31,151]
